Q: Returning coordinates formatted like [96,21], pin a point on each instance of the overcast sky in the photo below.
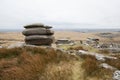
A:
[60,13]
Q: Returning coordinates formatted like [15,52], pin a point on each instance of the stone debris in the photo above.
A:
[71,52]
[116,75]
[16,45]
[64,41]
[107,66]
[97,55]
[1,47]
[38,34]
[83,52]
[100,57]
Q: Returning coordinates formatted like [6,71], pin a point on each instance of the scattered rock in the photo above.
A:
[116,75]
[97,55]
[82,52]
[16,45]
[1,47]
[106,66]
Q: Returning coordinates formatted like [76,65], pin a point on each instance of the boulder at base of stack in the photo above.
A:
[38,34]
[39,40]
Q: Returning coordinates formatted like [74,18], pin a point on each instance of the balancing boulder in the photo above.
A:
[39,40]
[38,31]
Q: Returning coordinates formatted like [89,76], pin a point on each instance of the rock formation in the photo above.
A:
[38,34]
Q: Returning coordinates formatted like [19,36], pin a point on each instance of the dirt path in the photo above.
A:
[77,71]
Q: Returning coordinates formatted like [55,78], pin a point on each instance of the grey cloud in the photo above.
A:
[60,13]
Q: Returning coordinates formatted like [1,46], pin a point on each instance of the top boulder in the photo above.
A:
[37,26]
[34,25]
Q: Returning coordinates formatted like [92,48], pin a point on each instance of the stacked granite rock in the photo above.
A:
[38,34]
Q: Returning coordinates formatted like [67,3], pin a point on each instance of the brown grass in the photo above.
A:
[115,63]
[58,72]
[8,53]
[92,69]
[34,64]
[90,65]
[76,48]
[46,64]
[103,51]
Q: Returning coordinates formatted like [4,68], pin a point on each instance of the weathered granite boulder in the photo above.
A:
[38,34]
[39,25]
[116,75]
[39,40]
[34,25]
[38,31]
[34,37]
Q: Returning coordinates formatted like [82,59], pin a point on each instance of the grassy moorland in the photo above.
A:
[32,63]
[35,64]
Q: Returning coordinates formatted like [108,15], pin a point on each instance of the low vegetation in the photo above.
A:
[93,70]
[103,51]
[90,65]
[82,47]
[35,63]
[115,63]
[76,48]
[7,53]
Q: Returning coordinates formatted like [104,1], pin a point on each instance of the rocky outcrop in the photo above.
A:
[38,34]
